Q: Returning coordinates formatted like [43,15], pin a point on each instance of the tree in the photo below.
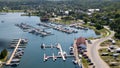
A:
[117,35]
[86,19]
[99,27]
[3,54]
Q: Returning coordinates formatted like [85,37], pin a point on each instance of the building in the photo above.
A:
[81,43]
[81,40]
[93,10]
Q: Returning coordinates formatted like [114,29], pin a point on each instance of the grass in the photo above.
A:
[106,43]
[105,32]
[67,22]
[117,41]
[109,58]
[13,11]
[85,63]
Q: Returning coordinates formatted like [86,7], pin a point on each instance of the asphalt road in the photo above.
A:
[99,63]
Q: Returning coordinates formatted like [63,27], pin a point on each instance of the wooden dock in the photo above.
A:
[76,54]
[9,61]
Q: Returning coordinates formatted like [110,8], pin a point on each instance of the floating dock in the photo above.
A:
[33,30]
[59,28]
[61,54]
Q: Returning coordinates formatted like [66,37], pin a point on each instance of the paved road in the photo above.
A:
[99,63]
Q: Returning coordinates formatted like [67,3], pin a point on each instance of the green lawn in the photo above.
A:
[85,63]
[67,22]
[106,43]
[13,11]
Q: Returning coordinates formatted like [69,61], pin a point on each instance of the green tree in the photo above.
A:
[86,19]
[117,35]
[3,54]
[99,27]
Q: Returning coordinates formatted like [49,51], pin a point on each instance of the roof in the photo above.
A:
[80,40]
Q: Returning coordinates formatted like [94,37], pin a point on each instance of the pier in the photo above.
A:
[9,61]
[61,52]
[75,52]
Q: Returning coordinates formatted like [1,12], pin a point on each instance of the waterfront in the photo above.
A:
[33,57]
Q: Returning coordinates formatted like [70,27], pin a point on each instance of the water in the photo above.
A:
[33,56]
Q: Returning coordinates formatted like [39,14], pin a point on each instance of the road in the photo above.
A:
[94,54]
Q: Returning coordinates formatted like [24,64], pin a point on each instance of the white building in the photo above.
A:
[93,10]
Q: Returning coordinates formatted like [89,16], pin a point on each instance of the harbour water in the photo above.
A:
[33,56]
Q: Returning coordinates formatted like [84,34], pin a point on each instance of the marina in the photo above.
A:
[58,28]
[34,56]
[33,30]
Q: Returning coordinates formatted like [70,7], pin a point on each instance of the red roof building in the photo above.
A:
[80,41]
